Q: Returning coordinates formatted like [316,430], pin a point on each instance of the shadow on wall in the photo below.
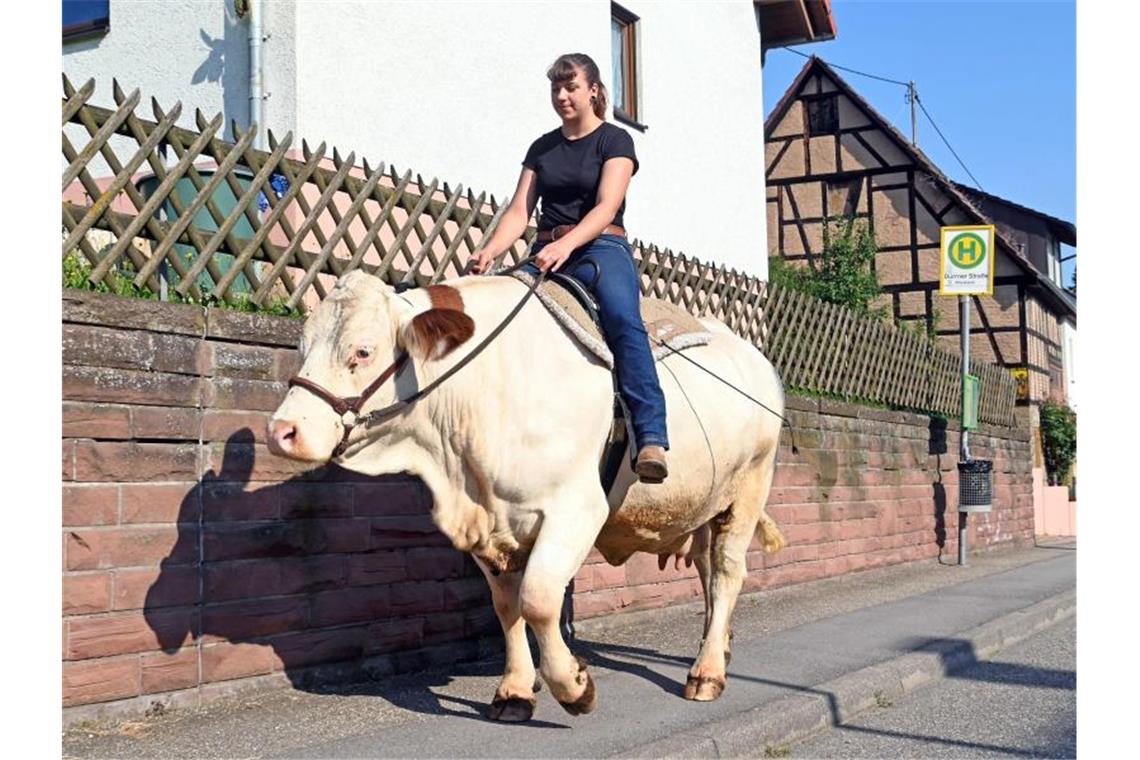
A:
[227,62]
[936,447]
[330,576]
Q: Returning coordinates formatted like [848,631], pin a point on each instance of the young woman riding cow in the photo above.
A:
[580,171]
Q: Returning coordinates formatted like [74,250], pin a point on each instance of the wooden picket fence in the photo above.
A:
[215,220]
[824,347]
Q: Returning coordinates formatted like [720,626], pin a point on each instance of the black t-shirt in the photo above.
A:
[569,172]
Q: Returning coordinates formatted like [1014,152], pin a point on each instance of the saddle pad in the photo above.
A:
[666,323]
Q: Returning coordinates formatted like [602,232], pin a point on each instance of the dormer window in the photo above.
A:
[823,115]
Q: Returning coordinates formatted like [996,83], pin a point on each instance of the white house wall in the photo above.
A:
[1069,354]
[458,91]
[701,187]
[454,90]
[279,70]
[193,51]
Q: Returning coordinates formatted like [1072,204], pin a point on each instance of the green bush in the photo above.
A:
[1059,441]
[842,274]
[119,281]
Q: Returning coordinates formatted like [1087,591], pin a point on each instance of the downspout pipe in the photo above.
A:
[256,81]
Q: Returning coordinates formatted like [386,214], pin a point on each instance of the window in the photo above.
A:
[83,17]
[1055,261]
[823,115]
[623,38]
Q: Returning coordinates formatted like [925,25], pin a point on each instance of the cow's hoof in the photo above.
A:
[703,688]
[511,709]
[589,699]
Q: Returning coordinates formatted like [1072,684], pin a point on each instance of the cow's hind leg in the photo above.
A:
[514,699]
[701,558]
[568,531]
[732,532]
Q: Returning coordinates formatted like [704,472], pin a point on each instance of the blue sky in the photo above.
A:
[998,78]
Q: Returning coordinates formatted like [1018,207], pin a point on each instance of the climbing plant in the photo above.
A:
[1058,440]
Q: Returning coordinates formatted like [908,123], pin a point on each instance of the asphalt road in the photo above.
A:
[1021,703]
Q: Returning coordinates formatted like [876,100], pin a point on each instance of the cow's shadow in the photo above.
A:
[275,567]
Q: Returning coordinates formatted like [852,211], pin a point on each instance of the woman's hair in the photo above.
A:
[563,69]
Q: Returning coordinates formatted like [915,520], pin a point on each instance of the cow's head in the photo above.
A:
[358,331]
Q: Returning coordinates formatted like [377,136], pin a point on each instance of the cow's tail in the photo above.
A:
[771,539]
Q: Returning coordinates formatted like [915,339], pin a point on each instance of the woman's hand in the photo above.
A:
[481,262]
[552,256]
[513,223]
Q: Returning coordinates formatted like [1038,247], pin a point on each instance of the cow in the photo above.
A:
[509,449]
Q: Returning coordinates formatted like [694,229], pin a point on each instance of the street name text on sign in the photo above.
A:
[967,261]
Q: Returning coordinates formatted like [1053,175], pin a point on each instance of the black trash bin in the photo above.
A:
[975,485]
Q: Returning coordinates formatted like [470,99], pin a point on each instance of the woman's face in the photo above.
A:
[571,98]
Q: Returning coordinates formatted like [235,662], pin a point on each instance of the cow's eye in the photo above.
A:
[362,354]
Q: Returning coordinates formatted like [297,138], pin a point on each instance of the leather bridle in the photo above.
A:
[349,408]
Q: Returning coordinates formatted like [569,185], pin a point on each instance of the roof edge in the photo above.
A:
[1067,229]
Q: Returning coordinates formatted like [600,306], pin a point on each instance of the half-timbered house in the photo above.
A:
[829,154]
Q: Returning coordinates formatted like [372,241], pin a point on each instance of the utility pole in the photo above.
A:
[912,96]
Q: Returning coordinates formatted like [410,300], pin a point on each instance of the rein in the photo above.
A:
[349,408]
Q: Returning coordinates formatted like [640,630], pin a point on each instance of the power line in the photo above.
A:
[939,131]
[916,98]
[853,71]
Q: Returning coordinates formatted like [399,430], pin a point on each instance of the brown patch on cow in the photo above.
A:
[720,521]
[445,297]
[589,699]
[503,554]
[503,560]
[438,332]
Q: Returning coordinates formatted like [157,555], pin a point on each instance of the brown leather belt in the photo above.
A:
[545,236]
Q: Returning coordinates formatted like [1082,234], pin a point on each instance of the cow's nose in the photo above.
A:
[283,438]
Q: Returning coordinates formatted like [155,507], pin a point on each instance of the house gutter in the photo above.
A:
[256,87]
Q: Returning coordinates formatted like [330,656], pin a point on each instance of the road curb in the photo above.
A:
[778,723]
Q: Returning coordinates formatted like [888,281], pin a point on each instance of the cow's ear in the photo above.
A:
[435,333]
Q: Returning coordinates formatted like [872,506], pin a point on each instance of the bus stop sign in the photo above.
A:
[967,261]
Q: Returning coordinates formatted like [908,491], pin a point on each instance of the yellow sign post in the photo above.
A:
[967,262]
[966,269]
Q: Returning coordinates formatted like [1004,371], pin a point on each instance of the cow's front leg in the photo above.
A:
[568,531]
[514,699]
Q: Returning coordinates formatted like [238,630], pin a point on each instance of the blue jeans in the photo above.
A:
[606,268]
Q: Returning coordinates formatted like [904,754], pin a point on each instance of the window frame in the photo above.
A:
[1055,268]
[90,27]
[813,100]
[628,23]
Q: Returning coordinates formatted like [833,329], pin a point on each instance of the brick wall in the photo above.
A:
[194,563]
[869,487]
